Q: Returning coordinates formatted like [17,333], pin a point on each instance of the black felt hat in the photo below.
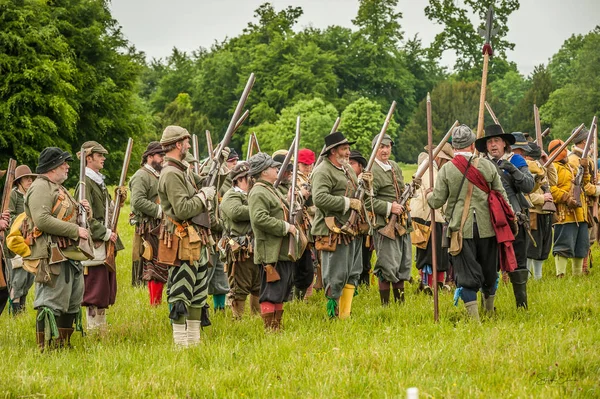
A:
[493,131]
[357,156]
[51,158]
[333,140]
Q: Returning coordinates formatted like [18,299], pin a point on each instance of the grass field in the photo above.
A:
[549,351]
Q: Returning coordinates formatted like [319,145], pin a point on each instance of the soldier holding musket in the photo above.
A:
[358,163]
[52,217]
[333,188]
[517,182]
[100,280]
[394,251]
[147,215]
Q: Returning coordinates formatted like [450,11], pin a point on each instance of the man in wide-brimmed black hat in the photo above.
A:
[147,215]
[334,184]
[517,181]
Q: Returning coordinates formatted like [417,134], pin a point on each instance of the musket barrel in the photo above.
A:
[425,166]
[386,123]
[285,163]
[555,153]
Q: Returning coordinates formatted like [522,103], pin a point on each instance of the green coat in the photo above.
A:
[330,187]
[271,239]
[98,198]
[235,213]
[16,204]
[384,192]
[177,192]
[38,203]
[144,195]
[446,189]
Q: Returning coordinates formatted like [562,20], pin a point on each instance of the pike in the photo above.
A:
[82,217]
[292,255]
[334,129]
[285,163]
[493,115]
[350,227]
[252,145]
[580,171]
[555,153]
[203,219]
[549,204]
[487,34]
[595,179]
[8,183]
[120,194]
[389,230]
[433,237]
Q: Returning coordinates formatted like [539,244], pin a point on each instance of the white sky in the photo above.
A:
[538,28]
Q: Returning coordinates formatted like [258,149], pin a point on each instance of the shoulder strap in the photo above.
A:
[462,182]
[465,213]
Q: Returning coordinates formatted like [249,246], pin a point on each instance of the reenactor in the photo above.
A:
[517,182]
[333,188]
[20,280]
[394,251]
[100,281]
[146,217]
[358,164]
[468,211]
[238,243]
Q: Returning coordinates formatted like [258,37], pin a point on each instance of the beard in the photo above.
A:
[342,160]
[157,166]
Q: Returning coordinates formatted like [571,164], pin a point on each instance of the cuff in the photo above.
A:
[159,213]
[287,227]
[597,193]
[346,204]
[202,197]
[389,210]
[107,235]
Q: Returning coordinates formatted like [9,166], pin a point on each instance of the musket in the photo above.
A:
[203,218]
[252,145]
[389,230]
[555,153]
[580,170]
[595,179]
[350,227]
[292,255]
[433,236]
[8,184]
[195,152]
[546,132]
[548,204]
[120,194]
[209,144]
[82,216]
[334,129]
[285,163]
[487,33]
[493,115]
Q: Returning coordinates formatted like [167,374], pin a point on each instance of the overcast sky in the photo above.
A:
[538,28]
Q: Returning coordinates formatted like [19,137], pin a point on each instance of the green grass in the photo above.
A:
[549,351]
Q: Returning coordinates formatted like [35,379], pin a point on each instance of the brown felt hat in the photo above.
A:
[445,153]
[23,171]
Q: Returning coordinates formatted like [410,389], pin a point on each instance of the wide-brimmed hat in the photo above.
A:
[279,156]
[240,170]
[386,140]
[554,146]
[261,161]
[333,140]
[154,147]
[233,155]
[493,131]
[23,171]
[357,156]
[520,141]
[581,136]
[51,158]
[534,151]
[446,153]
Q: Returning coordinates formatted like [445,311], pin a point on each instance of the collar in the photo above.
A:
[577,151]
[239,190]
[506,157]
[337,167]
[466,154]
[98,178]
[177,162]
[152,170]
[385,166]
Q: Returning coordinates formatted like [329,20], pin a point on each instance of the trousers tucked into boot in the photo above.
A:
[346,301]
[473,310]
[518,278]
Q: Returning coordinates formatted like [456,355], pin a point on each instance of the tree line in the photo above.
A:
[68,75]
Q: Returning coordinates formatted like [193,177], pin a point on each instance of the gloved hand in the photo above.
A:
[225,153]
[356,204]
[209,192]
[367,177]
[508,167]
[417,181]
[122,191]
[584,162]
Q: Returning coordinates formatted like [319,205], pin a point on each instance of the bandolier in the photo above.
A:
[20,280]
[147,215]
[334,185]
[237,243]
[100,281]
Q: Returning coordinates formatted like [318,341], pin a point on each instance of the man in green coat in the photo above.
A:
[333,186]
[100,282]
[244,278]
[59,286]
[147,217]
[184,244]
[20,280]
[268,211]
[394,251]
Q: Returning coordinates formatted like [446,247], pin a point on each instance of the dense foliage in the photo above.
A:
[67,75]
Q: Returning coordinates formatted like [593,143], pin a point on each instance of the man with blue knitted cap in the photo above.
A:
[517,181]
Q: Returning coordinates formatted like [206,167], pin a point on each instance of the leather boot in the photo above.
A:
[254,304]
[399,295]
[277,320]
[518,278]
[64,338]
[40,340]
[268,319]
[237,307]
[384,295]
[204,319]
[473,310]
[18,308]
[488,303]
